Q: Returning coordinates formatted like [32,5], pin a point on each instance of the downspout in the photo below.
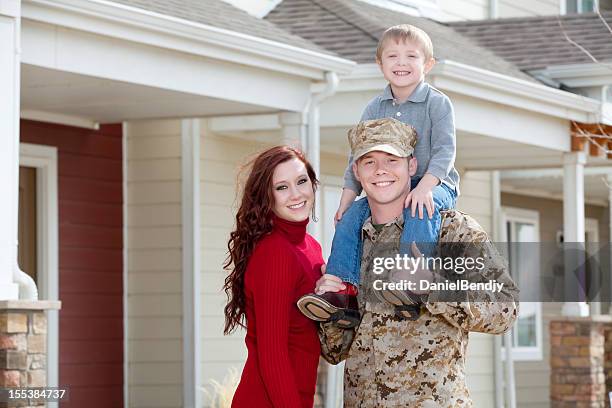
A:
[312,146]
[497,340]
[26,286]
[493,9]
[313,142]
[510,391]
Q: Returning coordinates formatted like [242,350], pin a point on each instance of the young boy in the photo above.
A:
[404,55]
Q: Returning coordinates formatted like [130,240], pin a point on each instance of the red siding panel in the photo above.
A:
[90,259]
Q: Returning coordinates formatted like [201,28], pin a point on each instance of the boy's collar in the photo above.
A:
[418,95]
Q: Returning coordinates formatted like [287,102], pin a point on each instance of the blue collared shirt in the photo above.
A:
[431,113]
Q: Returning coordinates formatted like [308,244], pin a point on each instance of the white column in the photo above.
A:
[573,224]
[293,129]
[192,379]
[10,15]
[314,156]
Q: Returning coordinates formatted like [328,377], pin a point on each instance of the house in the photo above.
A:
[503,181]
[136,116]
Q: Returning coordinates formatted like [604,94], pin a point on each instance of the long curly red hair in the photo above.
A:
[253,222]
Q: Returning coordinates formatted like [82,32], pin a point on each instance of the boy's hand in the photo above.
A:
[329,283]
[346,199]
[419,197]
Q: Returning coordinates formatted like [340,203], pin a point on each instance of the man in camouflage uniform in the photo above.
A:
[392,361]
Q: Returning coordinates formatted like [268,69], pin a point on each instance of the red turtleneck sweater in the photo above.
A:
[283,346]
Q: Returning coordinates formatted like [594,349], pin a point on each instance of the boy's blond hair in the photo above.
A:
[405,32]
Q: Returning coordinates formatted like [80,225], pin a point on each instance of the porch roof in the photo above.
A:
[222,15]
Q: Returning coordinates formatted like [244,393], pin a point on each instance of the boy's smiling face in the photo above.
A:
[404,65]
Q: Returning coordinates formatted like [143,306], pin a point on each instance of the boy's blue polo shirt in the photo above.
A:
[431,113]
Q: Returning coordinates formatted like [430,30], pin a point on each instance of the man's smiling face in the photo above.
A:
[384,177]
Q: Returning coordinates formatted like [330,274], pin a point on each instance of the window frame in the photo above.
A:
[522,353]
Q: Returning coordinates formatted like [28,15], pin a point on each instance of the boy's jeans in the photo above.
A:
[345,257]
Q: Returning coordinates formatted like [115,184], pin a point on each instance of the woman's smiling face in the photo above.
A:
[292,191]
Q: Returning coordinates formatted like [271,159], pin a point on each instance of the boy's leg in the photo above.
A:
[424,232]
[345,256]
[344,262]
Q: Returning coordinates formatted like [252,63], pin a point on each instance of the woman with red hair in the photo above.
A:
[273,262]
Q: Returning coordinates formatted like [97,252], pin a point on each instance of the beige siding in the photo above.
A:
[525,8]
[221,158]
[154,264]
[455,10]
[475,199]
[533,377]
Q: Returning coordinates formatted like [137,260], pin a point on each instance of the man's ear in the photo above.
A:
[355,171]
[412,166]
[429,65]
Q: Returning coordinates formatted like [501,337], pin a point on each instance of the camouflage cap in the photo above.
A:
[386,135]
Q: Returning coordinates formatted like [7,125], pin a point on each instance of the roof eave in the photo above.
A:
[142,26]
[484,84]
[578,75]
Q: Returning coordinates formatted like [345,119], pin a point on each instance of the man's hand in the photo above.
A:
[421,196]
[329,283]
[420,274]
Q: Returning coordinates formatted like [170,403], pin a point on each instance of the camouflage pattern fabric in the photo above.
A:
[393,362]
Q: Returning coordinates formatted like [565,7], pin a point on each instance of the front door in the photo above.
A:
[27,253]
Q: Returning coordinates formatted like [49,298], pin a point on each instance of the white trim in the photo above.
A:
[192,379]
[135,24]
[577,75]
[514,214]
[124,277]
[488,85]
[59,118]
[44,159]
[520,93]
[424,8]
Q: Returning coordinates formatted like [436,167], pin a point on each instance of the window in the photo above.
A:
[522,230]
[580,6]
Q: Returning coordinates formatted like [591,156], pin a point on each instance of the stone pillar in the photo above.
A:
[578,361]
[23,340]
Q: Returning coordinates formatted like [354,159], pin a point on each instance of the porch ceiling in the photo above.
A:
[110,101]
[474,152]
[549,184]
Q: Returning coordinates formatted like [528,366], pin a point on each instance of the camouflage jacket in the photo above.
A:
[392,362]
